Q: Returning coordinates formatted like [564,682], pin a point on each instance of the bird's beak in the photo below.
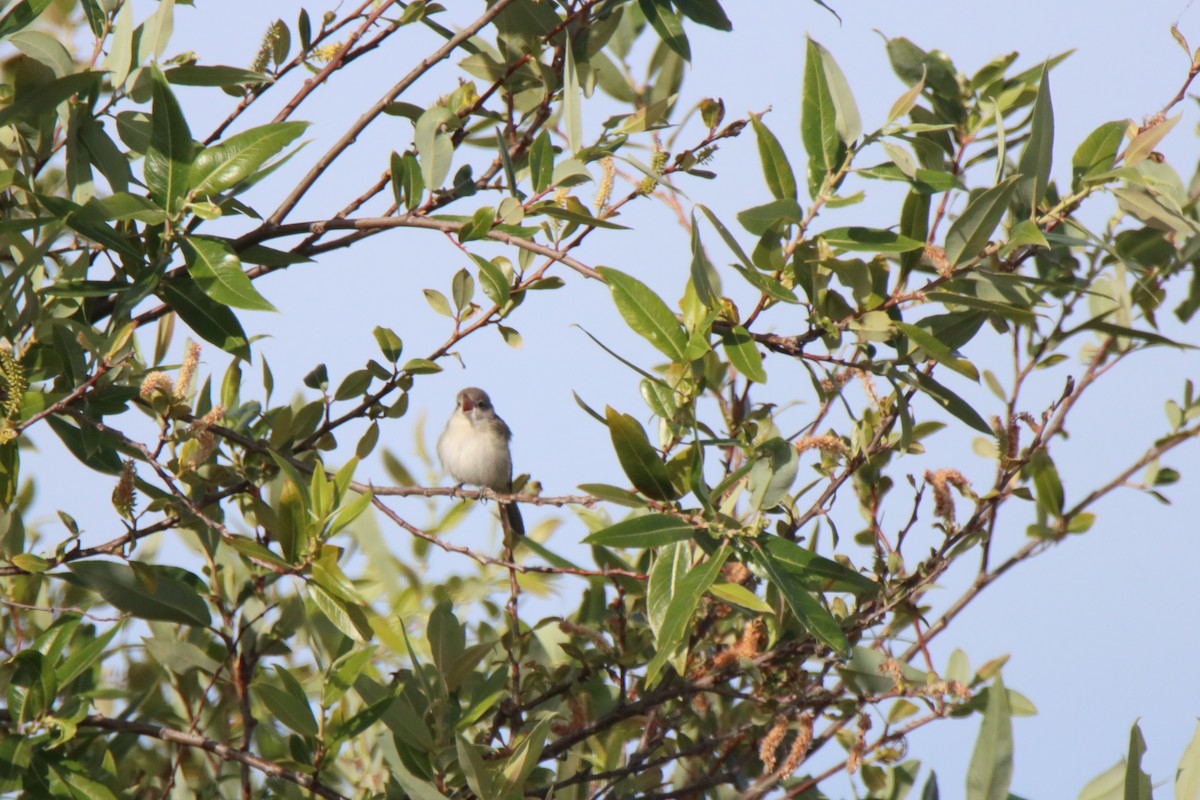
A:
[467,405]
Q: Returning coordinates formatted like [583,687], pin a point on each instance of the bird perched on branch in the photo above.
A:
[474,450]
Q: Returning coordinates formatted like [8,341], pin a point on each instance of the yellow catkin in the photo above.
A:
[937,257]
[191,357]
[608,170]
[752,640]
[800,745]
[868,384]
[213,417]
[941,481]
[574,629]
[124,496]
[156,382]
[770,743]
[854,760]
[658,162]
[325,53]
[735,572]
[15,383]
[837,380]
[826,443]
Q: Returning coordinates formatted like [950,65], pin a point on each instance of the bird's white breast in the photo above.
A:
[477,455]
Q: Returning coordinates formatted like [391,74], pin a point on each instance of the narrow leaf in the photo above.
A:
[646,314]
[990,773]
[169,158]
[639,460]
[651,530]
[970,232]
[218,272]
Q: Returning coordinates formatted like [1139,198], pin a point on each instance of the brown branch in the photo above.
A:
[373,224]
[360,124]
[295,62]
[497,562]
[223,751]
[66,402]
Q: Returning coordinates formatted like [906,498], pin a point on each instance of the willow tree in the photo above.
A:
[747,608]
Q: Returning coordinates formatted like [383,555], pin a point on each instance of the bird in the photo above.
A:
[474,449]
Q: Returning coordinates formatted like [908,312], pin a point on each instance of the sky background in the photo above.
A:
[1101,630]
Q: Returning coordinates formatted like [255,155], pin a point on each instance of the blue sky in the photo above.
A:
[1100,630]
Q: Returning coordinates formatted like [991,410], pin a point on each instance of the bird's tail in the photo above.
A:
[510,520]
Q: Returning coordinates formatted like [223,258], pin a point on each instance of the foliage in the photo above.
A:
[729,628]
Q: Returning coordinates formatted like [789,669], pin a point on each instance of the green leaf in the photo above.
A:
[572,99]
[20,15]
[971,231]
[291,711]
[772,473]
[168,160]
[81,659]
[870,240]
[558,212]
[479,779]
[673,631]
[650,530]
[1098,153]
[88,222]
[705,280]
[1187,776]
[638,458]
[31,686]
[495,284]
[738,595]
[217,270]
[215,75]
[727,237]
[819,121]
[462,289]
[420,366]
[797,559]
[849,124]
[646,314]
[1046,483]
[742,352]
[479,226]
[148,592]
[223,165]
[990,773]
[939,352]
[211,320]
[31,105]
[776,169]
[541,162]
[1143,144]
[706,12]
[864,672]
[435,149]
[666,574]
[811,615]
[1108,785]
[348,618]
[1137,782]
[92,448]
[667,25]
[950,401]
[44,48]
[180,656]
[759,219]
[389,343]
[1038,154]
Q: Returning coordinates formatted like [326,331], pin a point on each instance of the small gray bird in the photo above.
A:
[474,450]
